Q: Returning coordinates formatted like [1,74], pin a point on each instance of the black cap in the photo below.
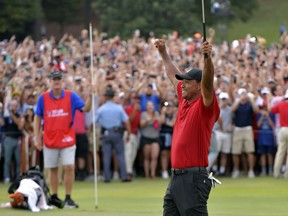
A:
[150,85]
[109,93]
[55,74]
[193,74]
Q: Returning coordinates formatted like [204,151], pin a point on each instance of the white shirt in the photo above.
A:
[27,188]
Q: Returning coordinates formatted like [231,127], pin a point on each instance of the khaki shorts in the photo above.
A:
[90,139]
[53,155]
[243,140]
[224,141]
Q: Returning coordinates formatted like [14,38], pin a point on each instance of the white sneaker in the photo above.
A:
[283,169]
[165,175]
[251,174]
[115,175]
[100,178]
[6,180]
[91,178]
[235,174]
[276,174]
[270,172]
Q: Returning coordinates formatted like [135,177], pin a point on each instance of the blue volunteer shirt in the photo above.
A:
[111,115]
[153,98]
[76,103]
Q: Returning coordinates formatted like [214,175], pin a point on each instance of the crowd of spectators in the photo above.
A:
[133,69]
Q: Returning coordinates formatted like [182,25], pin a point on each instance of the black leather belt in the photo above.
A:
[113,129]
[187,170]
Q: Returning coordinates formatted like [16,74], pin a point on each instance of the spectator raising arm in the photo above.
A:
[171,69]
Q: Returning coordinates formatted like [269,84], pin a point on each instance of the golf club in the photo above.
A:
[204,27]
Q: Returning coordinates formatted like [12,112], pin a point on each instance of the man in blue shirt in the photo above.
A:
[244,109]
[149,96]
[111,116]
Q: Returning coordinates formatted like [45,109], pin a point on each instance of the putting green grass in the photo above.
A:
[249,197]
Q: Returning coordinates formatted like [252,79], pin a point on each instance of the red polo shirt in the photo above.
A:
[192,132]
[136,121]
[282,109]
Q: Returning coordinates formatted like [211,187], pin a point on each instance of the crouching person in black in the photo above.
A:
[29,195]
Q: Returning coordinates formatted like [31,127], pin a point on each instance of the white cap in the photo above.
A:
[218,91]
[235,44]
[265,90]
[252,40]
[286,94]
[223,95]
[121,94]
[242,91]
[76,78]
[270,80]
[225,79]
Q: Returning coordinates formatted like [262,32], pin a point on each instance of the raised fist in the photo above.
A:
[160,45]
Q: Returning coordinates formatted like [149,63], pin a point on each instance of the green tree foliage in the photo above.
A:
[63,12]
[161,16]
[17,16]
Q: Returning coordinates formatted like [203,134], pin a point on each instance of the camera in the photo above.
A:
[26,116]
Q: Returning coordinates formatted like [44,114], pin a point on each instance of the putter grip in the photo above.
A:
[204,38]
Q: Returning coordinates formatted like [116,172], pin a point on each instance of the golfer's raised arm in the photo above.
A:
[208,75]
[171,69]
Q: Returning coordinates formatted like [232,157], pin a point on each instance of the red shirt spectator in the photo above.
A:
[134,113]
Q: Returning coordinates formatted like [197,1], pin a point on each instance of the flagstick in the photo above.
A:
[93,122]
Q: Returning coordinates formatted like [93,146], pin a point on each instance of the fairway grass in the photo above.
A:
[235,197]
[265,22]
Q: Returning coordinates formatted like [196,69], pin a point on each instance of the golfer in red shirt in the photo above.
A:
[189,187]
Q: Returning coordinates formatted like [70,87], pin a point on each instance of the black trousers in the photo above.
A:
[187,194]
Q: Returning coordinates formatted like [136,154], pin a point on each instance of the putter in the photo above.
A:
[204,27]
